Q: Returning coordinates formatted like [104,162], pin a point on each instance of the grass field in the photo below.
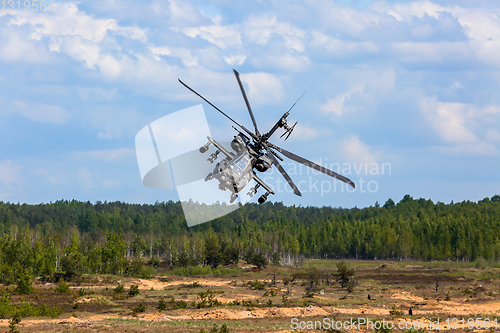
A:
[268,301]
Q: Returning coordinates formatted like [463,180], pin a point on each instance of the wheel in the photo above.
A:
[262,199]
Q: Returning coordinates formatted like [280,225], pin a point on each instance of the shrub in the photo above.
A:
[223,329]
[258,260]
[62,287]
[344,273]
[270,292]
[162,305]
[248,303]
[206,270]
[257,285]
[384,329]
[414,330]
[153,262]
[23,280]
[180,305]
[134,290]
[139,308]
[119,289]
[394,311]
[13,324]
[82,292]
[25,309]
[207,299]
[137,269]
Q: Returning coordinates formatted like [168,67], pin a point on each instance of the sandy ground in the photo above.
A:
[403,300]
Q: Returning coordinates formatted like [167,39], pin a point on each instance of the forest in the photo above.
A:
[70,238]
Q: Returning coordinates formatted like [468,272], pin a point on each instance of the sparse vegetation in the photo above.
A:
[344,274]
[139,308]
[207,299]
[134,290]
[119,289]
[16,320]
[62,287]
[223,329]
[162,305]
[26,309]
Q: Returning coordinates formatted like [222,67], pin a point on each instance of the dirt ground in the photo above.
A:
[393,295]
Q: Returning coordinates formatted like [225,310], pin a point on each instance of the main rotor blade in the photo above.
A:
[246,101]
[206,100]
[283,173]
[314,166]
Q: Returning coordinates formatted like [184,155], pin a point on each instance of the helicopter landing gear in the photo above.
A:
[213,156]
[233,198]
[210,176]
[253,191]
[263,198]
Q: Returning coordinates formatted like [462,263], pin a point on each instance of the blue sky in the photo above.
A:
[409,85]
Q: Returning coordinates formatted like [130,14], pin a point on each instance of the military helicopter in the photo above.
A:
[252,150]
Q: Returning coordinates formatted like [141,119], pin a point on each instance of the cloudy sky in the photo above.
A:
[401,96]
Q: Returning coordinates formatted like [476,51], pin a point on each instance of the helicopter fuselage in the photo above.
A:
[234,174]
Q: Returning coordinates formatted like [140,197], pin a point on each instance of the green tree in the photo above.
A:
[113,254]
[344,274]
[213,254]
[23,279]
[258,260]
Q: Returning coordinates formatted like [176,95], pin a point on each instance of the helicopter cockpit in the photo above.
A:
[241,162]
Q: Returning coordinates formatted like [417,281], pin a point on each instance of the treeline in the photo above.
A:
[55,238]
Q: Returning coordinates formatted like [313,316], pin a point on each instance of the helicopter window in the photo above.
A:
[240,164]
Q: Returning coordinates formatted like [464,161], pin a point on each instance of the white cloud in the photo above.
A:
[182,12]
[86,178]
[219,35]
[259,30]
[337,105]
[235,59]
[287,62]
[42,112]
[158,51]
[480,25]
[67,20]
[337,48]
[481,149]
[97,94]
[492,136]
[15,47]
[111,183]
[449,120]
[302,133]
[356,151]
[10,173]
[107,155]
[47,177]
[263,88]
